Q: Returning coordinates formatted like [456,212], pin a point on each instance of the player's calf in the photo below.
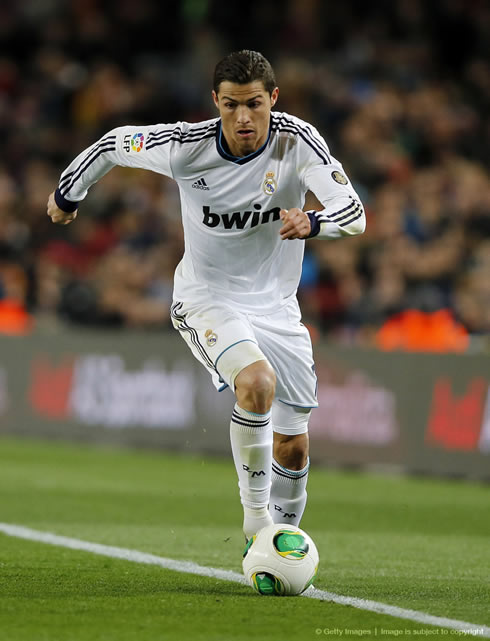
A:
[291,451]
[251,441]
[251,444]
[290,464]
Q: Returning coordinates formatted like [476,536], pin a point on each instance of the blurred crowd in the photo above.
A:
[399,88]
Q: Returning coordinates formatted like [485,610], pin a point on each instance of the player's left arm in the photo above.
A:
[295,224]
[320,173]
[343,213]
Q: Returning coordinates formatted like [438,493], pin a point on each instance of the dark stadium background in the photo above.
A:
[400,89]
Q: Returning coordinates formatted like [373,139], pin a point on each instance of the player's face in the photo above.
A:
[245,114]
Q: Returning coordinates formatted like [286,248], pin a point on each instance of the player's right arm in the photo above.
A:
[143,147]
[57,215]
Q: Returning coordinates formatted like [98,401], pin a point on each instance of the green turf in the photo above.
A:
[419,544]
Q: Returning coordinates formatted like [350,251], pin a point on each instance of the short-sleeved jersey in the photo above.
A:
[230,205]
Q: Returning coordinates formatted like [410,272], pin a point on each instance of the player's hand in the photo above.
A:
[57,215]
[295,224]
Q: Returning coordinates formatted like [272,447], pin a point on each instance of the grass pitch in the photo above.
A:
[419,544]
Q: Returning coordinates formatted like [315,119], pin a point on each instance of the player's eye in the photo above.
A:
[229,105]
[254,104]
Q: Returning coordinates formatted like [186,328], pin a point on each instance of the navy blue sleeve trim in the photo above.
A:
[66,205]
[314,222]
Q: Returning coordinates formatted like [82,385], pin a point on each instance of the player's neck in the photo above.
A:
[242,151]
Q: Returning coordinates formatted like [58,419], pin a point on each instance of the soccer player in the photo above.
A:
[242,178]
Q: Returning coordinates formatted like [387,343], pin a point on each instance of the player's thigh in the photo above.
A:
[286,343]
[219,338]
[288,420]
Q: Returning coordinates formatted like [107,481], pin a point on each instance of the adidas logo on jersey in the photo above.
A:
[200,184]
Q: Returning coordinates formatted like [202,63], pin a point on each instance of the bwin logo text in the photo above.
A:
[239,219]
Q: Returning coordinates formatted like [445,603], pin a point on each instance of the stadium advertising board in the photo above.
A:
[97,389]
[144,390]
[426,413]
[429,413]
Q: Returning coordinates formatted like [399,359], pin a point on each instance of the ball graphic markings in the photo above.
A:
[249,545]
[267,584]
[280,560]
[291,545]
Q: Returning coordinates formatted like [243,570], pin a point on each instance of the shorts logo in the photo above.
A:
[339,177]
[211,338]
[269,185]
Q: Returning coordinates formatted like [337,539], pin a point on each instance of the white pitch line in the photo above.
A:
[188,567]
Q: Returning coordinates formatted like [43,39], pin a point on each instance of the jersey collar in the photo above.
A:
[224,150]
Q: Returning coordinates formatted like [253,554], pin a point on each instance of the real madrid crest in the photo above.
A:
[269,185]
[211,337]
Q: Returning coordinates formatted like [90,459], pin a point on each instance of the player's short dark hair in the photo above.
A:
[243,67]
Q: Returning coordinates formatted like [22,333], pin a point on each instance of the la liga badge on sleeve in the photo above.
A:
[339,177]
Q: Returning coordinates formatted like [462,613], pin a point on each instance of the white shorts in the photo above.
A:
[226,341]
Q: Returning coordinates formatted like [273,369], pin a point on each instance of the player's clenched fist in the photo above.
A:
[57,215]
[295,224]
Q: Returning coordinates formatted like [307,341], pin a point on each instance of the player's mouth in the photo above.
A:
[245,133]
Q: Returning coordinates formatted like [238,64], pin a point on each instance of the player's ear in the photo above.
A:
[274,96]
[215,98]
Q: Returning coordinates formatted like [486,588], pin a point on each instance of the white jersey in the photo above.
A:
[230,205]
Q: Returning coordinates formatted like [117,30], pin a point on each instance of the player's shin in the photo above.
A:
[288,494]
[251,443]
[288,490]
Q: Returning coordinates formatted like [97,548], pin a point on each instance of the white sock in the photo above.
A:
[251,444]
[288,494]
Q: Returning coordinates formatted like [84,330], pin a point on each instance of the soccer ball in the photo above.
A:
[280,560]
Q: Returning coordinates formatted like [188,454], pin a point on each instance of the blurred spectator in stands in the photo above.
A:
[403,107]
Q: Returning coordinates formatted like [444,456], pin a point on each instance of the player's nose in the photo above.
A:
[243,115]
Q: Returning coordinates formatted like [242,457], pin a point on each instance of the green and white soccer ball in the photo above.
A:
[280,560]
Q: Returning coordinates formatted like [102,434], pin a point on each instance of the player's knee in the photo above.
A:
[255,387]
[291,451]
